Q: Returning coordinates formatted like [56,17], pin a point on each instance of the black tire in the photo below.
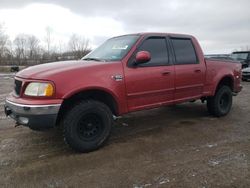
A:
[243,79]
[87,125]
[220,104]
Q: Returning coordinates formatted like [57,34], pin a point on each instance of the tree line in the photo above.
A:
[27,49]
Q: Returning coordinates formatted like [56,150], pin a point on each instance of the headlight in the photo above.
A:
[39,89]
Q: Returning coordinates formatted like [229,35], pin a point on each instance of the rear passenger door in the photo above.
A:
[189,72]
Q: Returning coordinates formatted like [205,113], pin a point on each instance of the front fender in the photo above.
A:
[118,98]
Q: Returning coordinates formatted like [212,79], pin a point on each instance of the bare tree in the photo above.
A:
[48,39]
[78,45]
[33,46]
[26,48]
[3,43]
[60,47]
[21,47]
[9,54]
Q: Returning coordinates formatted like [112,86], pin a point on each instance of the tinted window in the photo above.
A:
[239,56]
[157,47]
[184,51]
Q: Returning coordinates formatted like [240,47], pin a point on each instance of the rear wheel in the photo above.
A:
[220,104]
[87,126]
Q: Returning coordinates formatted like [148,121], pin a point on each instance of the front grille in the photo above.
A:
[18,86]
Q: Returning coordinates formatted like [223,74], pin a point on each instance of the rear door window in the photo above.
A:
[184,51]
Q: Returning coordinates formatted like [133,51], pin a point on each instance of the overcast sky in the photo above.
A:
[220,25]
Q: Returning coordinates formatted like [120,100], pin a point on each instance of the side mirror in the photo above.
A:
[142,57]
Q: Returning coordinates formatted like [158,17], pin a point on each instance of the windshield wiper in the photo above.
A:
[92,59]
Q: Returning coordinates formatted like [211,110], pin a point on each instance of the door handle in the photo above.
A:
[164,73]
[197,70]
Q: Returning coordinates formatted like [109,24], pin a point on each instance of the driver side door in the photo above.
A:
[150,84]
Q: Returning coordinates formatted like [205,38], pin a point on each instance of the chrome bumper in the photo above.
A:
[33,109]
[36,117]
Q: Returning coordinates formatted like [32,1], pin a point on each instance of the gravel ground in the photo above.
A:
[178,146]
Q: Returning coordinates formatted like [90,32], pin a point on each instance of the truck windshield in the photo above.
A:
[239,56]
[113,49]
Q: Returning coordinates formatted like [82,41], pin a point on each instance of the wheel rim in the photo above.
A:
[224,102]
[89,127]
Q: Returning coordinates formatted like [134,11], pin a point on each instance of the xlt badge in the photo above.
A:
[117,77]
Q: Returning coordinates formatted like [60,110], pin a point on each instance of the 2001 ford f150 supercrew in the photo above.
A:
[125,74]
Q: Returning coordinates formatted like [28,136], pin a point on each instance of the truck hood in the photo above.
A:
[48,70]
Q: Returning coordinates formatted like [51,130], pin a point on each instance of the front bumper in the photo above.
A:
[34,116]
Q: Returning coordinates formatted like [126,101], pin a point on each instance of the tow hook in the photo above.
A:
[7,111]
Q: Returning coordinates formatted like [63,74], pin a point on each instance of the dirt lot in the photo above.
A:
[180,146]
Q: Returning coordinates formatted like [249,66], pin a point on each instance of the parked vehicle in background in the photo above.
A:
[243,57]
[125,74]
[14,68]
[246,74]
[219,56]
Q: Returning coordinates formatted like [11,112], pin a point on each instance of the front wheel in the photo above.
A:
[87,125]
[220,104]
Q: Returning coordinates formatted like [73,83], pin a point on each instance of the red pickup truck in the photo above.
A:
[125,74]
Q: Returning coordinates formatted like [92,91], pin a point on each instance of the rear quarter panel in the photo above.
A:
[217,70]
